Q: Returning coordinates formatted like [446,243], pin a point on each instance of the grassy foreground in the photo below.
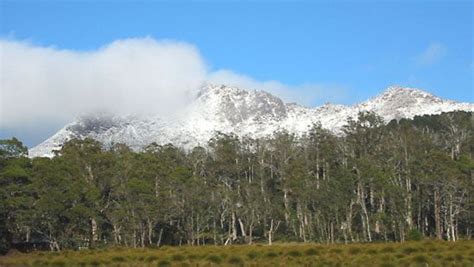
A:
[423,253]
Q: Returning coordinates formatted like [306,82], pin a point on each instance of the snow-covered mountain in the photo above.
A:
[219,108]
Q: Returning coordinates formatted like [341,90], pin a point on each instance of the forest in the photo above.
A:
[405,180]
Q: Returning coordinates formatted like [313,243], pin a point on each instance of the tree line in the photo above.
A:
[373,182]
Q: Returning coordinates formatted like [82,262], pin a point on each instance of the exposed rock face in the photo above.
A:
[219,108]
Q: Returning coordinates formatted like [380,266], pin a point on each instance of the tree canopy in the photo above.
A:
[374,182]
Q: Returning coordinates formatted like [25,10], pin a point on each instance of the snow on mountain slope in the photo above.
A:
[219,108]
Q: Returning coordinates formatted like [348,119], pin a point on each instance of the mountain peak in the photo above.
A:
[246,113]
[398,102]
[237,105]
[400,91]
[403,97]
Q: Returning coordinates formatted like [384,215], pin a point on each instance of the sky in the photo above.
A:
[63,58]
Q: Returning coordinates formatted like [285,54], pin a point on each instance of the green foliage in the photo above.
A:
[253,255]
[311,252]
[164,263]
[235,260]
[294,253]
[354,250]
[415,235]
[119,259]
[12,148]
[271,254]
[371,184]
[178,257]
[215,258]
[151,258]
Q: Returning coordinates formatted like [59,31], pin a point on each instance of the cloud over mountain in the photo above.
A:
[126,76]
[129,76]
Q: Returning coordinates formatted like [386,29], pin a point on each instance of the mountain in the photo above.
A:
[220,108]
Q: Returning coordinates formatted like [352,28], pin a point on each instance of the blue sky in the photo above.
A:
[354,48]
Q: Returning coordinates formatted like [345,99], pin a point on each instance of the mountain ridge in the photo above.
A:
[255,113]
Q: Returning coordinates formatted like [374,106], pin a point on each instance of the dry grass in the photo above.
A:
[422,253]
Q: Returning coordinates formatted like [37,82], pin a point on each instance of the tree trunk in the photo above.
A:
[437,214]
[94,235]
[158,243]
[150,231]
[242,228]
[272,230]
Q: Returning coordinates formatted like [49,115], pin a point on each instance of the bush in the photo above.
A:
[294,253]
[354,250]
[235,260]
[311,252]
[214,258]
[58,263]
[409,250]
[94,263]
[388,249]
[387,264]
[40,263]
[118,259]
[271,254]
[177,257]
[459,257]
[151,258]
[415,235]
[164,263]
[420,258]
[224,255]
[193,257]
[253,255]
[372,251]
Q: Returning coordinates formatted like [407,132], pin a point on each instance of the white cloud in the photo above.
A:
[50,85]
[432,54]
[126,76]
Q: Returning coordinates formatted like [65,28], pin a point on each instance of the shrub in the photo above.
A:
[420,258]
[94,263]
[449,258]
[271,254]
[354,250]
[119,259]
[214,258]
[58,263]
[40,263]
[164,263]
[193,257]
[372,251]
[409,250]
[81,263]
[253,255]
[388,250]
[414,235]
[459,257]
[311,252]
[223,255]
[294,253]
[235,260]
[151,258]
[177,257]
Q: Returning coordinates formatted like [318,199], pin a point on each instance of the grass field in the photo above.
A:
[423,253]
